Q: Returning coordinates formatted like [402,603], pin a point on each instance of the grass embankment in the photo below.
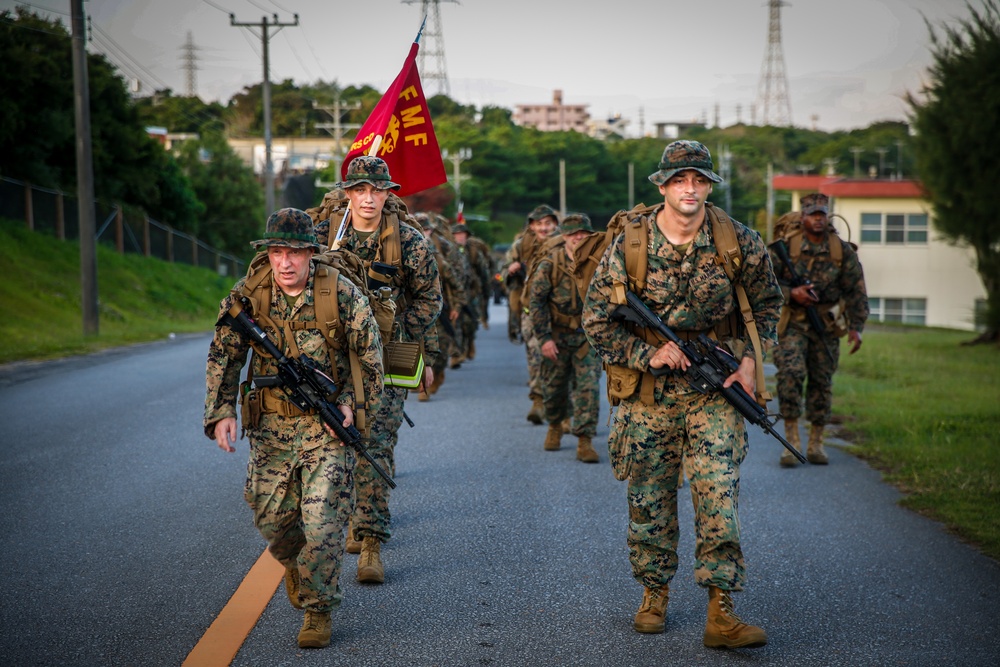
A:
[140,299]
[925,410]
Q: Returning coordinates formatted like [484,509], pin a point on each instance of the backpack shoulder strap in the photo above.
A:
[730,256]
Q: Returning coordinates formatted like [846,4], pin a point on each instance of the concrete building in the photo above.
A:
[913,274]
[553,117]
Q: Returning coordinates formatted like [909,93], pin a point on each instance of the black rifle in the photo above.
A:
[812,315]
[380,274]
[710,366]
[304,383]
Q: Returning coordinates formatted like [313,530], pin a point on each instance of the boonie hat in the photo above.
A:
[542,211]
[681,155]
[575,222]
[289,227]
[460,227]
[815,202]
[368,169]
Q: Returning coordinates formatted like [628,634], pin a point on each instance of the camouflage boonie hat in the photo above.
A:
[815,202]
[460,227]
[424,220]
[288,227]
[681,155]
[575,222]
[542,211]
[367,169]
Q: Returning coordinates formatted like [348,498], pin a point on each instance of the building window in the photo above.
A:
[894,228]
[892,309]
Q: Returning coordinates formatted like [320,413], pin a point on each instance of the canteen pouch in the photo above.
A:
[622,382]
[835,320]
[404,365]
[251,405]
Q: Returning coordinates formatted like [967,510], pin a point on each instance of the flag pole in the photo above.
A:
[338,241]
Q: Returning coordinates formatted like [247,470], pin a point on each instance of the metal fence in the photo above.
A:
[126,229]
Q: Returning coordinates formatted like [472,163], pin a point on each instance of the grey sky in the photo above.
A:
[848,62]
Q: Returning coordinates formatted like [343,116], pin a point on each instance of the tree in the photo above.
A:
[957,135]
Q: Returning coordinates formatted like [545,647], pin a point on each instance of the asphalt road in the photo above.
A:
[124,533]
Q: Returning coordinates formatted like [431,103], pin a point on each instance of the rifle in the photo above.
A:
[812,315]
[710,366]
[304,383]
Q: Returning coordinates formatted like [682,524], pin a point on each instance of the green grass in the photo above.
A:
[140,299]
[925,410]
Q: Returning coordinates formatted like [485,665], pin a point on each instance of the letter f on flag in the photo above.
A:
[403,121]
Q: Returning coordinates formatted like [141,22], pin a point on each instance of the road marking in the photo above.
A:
[223,639]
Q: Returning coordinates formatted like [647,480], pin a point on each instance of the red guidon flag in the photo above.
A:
[403,121]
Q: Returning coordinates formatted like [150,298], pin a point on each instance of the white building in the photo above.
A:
[913,274]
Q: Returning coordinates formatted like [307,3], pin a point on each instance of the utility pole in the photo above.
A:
[265,38]
[881,159]
[337,129]
[899,160]
[84,174]
[458,158]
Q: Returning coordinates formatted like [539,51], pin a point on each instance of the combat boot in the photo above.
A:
[788,460]
[536,415]
[814,449]
[724,629]
[470,354]
[353,545]
[370,568]
[585,450]
[652,615]
[423,397]
[553,437]
[292,586]
[438,381]
[315,632]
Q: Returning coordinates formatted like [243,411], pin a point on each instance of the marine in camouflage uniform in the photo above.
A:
[468,315]
[655,431]
[541,223]
[417,293]
[300,478]
[568,363]
[805,358]
[482,264]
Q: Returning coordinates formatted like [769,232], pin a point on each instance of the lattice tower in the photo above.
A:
[432,48]
[772,90]
[190,60]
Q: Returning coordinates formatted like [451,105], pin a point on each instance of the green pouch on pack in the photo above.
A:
[404,365]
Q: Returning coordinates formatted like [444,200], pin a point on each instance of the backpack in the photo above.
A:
[329,266]
[636,242]
[554,250]
[789,229]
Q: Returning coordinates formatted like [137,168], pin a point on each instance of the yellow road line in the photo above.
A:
[220,643]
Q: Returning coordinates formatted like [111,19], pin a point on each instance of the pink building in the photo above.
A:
[553,117]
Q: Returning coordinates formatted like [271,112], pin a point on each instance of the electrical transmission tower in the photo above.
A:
[432,46]
[190,61]
[772,90]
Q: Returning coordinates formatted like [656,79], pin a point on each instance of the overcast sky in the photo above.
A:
[848,62]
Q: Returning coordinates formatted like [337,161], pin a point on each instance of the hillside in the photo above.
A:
[140,299]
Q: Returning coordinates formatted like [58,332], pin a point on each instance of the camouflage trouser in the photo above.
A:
[534,353]
[710,437]
[468,324]
[801,359]
[446,346]
[576,373]
[371,511]
[301,500]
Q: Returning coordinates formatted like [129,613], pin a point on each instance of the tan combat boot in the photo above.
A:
[438,381]
[652,614]
[292,586]
[536,415]
[353,545]
[724,629]
[423,397]
[788,460]
[814,449]
[315,632]
[370,568]
[553,437]
[585,450]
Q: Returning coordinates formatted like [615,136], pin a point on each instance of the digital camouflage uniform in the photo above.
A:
[648,443]
[417,293]
[801,357]
[555,306]
[299,478]
[441,336]
[524,250]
